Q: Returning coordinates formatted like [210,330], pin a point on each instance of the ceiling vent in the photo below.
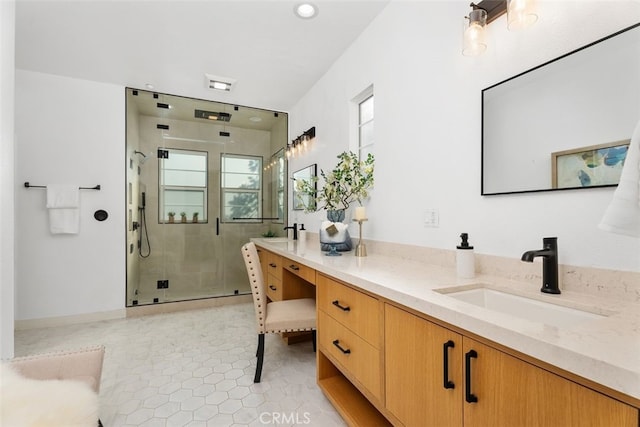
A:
[210,115]
[219,83]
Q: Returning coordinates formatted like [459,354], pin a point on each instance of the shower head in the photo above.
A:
[145,157]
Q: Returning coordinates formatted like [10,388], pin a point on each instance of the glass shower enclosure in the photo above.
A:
[203,178]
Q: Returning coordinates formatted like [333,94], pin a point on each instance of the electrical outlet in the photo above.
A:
[163,284]
[432,218]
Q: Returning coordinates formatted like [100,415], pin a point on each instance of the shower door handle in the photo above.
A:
[217,226]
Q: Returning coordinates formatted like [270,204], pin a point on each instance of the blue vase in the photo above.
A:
[340,242]
[335,215]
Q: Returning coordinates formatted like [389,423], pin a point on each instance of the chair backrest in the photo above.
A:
[254,271]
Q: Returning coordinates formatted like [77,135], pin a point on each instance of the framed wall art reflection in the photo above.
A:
[592,166]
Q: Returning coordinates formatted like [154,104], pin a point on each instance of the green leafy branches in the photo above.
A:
[348,182]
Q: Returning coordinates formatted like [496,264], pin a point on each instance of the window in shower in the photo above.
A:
[183,185]
[241,188]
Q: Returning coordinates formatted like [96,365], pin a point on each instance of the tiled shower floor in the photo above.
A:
[194,368]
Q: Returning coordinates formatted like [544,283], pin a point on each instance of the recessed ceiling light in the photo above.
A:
[255,119]
[149,86]
[305,10]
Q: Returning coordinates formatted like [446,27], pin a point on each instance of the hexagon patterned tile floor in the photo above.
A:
[194,368]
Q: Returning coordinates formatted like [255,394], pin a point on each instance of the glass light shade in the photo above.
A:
[520,14]
[474,37]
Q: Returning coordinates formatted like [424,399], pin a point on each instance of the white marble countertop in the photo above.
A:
[605,350]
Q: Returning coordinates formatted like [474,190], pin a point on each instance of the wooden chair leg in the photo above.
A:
[260,356]
[313,338]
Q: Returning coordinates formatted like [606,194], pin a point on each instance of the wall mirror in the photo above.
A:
[302,201]
[570,117]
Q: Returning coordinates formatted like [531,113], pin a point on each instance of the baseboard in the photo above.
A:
[48,322]
[172,307]
[143,310]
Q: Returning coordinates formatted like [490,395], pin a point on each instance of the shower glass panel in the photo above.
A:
[198,188]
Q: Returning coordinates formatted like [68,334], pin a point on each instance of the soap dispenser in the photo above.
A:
[302,234]
[465,261]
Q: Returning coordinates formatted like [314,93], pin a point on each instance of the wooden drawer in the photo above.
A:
[356,358]
[307,273]
[273,288]
[354,309]
[274,265]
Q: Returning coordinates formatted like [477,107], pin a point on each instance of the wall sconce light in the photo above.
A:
[300,143]
[520,14]
[474,38]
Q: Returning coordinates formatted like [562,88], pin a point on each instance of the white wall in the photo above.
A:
[7,93]
[69,131]
[427,131]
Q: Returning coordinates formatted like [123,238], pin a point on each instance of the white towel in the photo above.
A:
[623,214]
[63,203]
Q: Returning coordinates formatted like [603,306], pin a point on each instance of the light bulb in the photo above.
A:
[520,14]
[474,35]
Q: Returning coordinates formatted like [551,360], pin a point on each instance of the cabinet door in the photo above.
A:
[511,392]
[415,370]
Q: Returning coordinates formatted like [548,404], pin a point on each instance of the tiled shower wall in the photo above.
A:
[197,262]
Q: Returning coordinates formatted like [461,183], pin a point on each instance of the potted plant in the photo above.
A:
[348,182]
[269,233]
[172,216]
[195,217]
[183,217]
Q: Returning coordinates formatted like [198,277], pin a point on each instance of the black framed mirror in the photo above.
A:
[302,201]
[564,124]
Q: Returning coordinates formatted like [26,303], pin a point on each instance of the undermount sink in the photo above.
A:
[276,239]
[520,306]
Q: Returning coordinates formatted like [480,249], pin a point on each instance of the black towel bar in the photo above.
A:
[27,185]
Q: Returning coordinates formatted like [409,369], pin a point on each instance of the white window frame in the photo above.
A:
[224,190]
[356,125]
[162,187]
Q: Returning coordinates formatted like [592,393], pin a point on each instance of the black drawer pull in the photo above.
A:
[469,397]
[294,267]
[445,365]
[272,265]
[273,288]
[343,308]
[337,344]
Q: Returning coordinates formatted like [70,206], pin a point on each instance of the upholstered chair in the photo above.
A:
[52,389]
[277,316]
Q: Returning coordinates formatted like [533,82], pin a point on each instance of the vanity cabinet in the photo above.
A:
[272,274]
[512,392]
[438,377]
[381,363]
[350,359]
[307,274]
[423,370]
[350,332]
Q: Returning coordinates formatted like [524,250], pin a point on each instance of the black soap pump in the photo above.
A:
[465,260]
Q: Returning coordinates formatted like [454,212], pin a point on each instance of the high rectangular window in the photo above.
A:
[365,127]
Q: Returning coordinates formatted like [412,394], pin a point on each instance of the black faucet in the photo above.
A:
[549,264]
[295,230]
